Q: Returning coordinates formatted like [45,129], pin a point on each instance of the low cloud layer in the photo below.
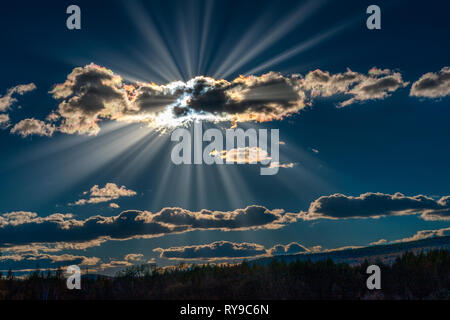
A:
[64,232]
[426,234]
[432,85]
[375,205]
[64,228]
[17,261]
[226,250]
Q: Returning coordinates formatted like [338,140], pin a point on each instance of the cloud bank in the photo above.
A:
[64,228]
[63,231]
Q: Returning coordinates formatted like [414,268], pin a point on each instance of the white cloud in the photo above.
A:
[432,85]
[108,193]
[32,126]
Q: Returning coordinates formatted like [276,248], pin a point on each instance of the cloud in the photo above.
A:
[44,261]
[8,99]
[215,251]
[88,95]
[240,219]
[135,257]
[248,155]
[377,84]
[375,205]
[113,264]
[4,120]
[432,85]
[64,228]
[108,193]
[292,248]
[32,126]
[379,242]
[92,93]
[282,165]
[226,250]
[426,234]
[29,262]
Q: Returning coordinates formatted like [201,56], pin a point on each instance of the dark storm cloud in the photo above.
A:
[432,85]
[132,224]
[373,205]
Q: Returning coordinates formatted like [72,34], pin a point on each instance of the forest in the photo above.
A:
[422,276]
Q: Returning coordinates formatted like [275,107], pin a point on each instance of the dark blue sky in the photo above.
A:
[396,144]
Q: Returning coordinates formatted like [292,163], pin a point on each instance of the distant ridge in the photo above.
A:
[386,253]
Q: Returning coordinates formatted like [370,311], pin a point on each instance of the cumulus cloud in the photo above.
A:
[375,205]
[8,99]
[33,126]
[432,85]
[215,251]
[64,228]
[88,95]
[226,250]
[4,120]
[93,93]
[108,193]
